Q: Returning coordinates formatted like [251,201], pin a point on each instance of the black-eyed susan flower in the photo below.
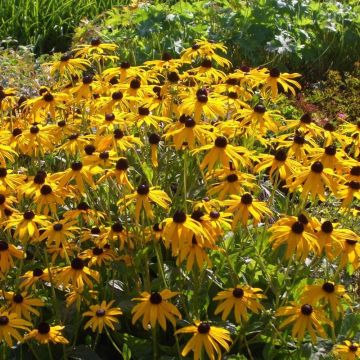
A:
[205,336]
[240,299]
[48,198]
[245,206]
[98,256]
[67,66]
[7,252]
[9,323]
[328,292]
[44,334]
[179,230]
[155,308]
[223,152]
[297,233]
[85,212]
[349,192]
[270,79]
[201,103]
[96,47]
[349,350]
[31,277]
[10,180]
[305,318]
[350,254]
[331,238]
[101,316]
[59,232]
[119,173]
[154,140]
[80,174]
[76,274]
[27,225]
[314,179]
[23,304]
[142,198]
[279,163]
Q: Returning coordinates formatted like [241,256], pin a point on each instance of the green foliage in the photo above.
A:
[47,25]
[308,36]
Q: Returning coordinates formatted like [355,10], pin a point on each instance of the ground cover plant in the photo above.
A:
[173,210]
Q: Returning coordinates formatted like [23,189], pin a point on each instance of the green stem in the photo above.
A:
[50,353]
[112,341]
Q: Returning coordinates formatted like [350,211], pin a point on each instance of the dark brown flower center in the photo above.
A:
[3,172]
[303,219]
[125,65]
[34,129]
[109,117]
[77,264]
[280,155]
[43,328]
[122,164]
[355,171]
[260,109]
[135,84]
[221,142]
[238,293]
[76,166]
[4,320]
[18,298]
[155,298]
[317,167]
[46,190]
[351,242]
[104,155]
[232,178]
[83,206]
[203,328]
[95,230]
[207,63]
[28,215]
[246,199]
[274,72]
[354,185]
[232,95]
[179,217]
[214,214]
[189,122]
[100,313]
[118,95]
[154,139]
[89,150]
[197,215]
[353,348]
[329,127]
[2,199]
[328,287]
[48,97]
[87,79]
[166,56]
[97,251]
[57,227]
[117,227]
[16,132]
[95,41]
[143,189]
[330,150]
[297,227]
[3,245]
[173,77]
[37,272]
[73,136]
[327,227]
[306,309]
[306,118]
[298,139]
[118,134]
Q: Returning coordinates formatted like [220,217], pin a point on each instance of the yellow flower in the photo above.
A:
[155,308]
[101,316]
[7,252]
[305,318]
[245,206]
[328,291]
[68,66]
[143,196]
[205,336]
[241,298]
[8,325]
[22,304]
[44,334]
[77,274]
[31,277]
[347,351]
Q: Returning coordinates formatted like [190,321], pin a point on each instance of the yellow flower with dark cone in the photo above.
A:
[297,234]
[120,173]
[27,225]
[95,47]
[98,256]
[31,277]
[7,252]
[80,174]
[154,140]
[102,315]
[68,66]
[329,292]
[155,308]
[350,254]
[10,180]
[331,238]
[305,318]
[48,198]
[205,336]
[76,274]
[223,152]
[179,230]
[349,192]
[240,299]
[22,304]
[45,334]
[143,196]
[245,206]
[279,163]
[314,179]
[349,350]
[9,323]
[270,79]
